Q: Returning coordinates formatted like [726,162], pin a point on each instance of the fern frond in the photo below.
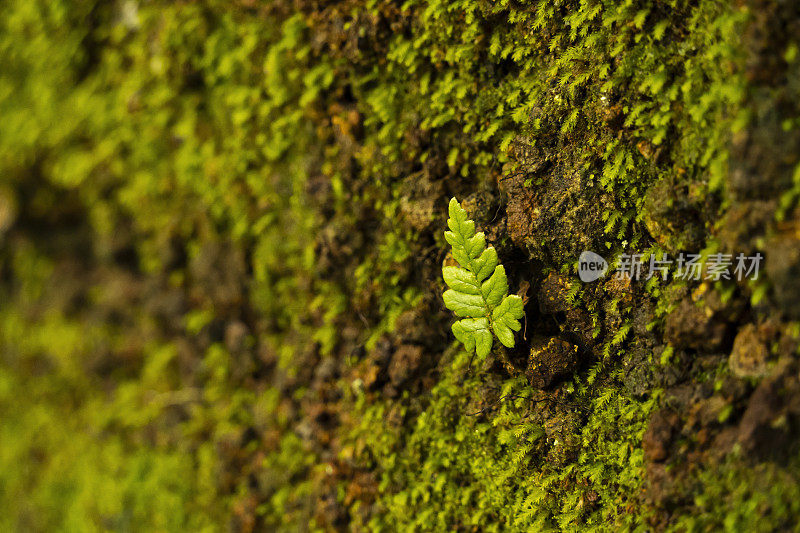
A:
[478,288]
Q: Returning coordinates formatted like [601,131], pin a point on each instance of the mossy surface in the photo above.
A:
[221,246]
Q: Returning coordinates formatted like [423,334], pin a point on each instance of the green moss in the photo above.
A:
[757,498]
[524,463]
[216,217]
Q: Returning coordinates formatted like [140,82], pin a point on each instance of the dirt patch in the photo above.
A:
[550,359]
[552,211]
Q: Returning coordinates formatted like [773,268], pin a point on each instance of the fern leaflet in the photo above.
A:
[478,290]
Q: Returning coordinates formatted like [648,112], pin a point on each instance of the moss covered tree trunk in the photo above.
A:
[221,250]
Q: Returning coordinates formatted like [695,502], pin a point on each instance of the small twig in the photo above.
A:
[497,212]
[514,175]
[525,329]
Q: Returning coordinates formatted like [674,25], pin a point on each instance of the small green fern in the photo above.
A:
[484,304]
